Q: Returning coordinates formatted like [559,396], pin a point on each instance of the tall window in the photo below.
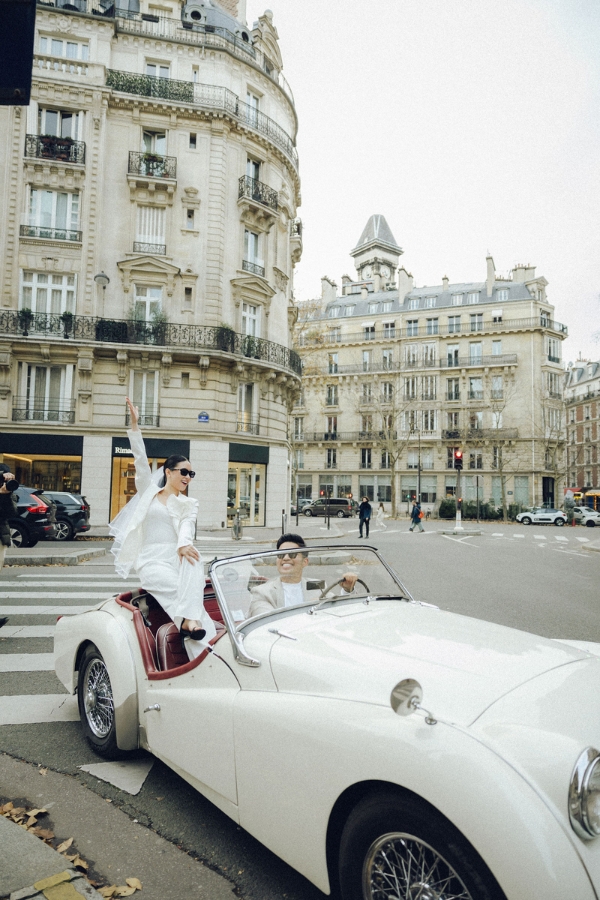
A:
[450,456]
[432,326]
[412,327]
[429,419]
[331,459]
[252,169]
[332,425]
[151,225]
[476,420]
[388,359]
[385,460]
[412,354]
[497,387]
[298,427]
[331,395]
[452,354]
[427,458]
[299,458]
[53,210]
[365,458]
[453,420]
[497,419]
[43,293]
[429,354]
[413,459]
[334,335]
[369,332]
[366,425]
[367,360]
[252,247]
[453,385]
[476,321]
[250,315]
[387,392]
[367,392]
[247,418]
[332,366]
[59,123]
[453,324]
[44,393]
[475,353]
[475,388]
[67,49]
[389,330]
[429,387]
[253,103]
[410,388]
[154,142]
[553,350]
[497,348]
[147,302]
[144,393]
[496,457]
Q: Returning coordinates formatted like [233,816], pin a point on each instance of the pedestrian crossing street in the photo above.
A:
[32,602]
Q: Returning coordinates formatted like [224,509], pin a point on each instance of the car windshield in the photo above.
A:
[274,582]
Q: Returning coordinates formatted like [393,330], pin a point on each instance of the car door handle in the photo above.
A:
[155,706]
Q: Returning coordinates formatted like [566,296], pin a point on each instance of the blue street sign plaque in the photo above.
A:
[203,417]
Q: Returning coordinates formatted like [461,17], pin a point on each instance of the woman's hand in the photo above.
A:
[133,414]
[188,552]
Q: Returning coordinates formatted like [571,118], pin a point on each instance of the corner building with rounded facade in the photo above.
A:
[149,237]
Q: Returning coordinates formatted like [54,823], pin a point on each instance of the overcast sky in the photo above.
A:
[471,125]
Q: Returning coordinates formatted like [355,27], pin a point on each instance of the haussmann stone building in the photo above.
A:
[397,377]
[148,239]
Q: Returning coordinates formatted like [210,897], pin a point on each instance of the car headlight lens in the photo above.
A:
[584,795]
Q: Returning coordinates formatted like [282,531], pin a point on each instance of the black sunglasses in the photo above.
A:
[291,553]
[185,472]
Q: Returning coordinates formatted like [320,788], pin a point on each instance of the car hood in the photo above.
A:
[357,652]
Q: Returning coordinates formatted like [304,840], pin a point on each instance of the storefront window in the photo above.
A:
[48,473]
[246,492]
[123,481]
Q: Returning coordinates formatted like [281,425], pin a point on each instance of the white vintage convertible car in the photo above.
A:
[385,749]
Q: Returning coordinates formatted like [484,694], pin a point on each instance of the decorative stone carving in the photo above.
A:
[281,279]
[122,363]
[166,362]
[5,368]
[204,364]
[85,364]
[150,269]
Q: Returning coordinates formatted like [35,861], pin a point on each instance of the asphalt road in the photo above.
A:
[537,578]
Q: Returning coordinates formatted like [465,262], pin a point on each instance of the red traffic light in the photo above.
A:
[458,454]
[322,493]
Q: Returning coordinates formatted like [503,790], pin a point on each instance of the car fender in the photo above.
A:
[298,757]
[109,633]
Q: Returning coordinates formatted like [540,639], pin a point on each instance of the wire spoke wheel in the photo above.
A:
[98,698]
[400,866]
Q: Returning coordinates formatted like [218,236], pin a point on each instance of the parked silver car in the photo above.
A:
[538,515]
[586,516]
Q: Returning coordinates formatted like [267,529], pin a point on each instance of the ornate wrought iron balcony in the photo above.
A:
[481,434]
[204,96]
[164,334]
[248,266]
[152,249]
[152,165]
[247,425]
[322,337]
[253,189]
[47,146]
[146,419]
[27,410]
[55,234]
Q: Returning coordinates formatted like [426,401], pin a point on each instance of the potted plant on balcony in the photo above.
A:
[225,338]
[67,320]
[251,346]
[158,328]
[25,318]
[153,165]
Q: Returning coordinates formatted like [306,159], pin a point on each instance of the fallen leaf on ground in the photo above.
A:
[43,771]
[134,883]
[123,891]
[8,806]
[64,846]
[44,833]
[80,863]
[37,812]
[108,892]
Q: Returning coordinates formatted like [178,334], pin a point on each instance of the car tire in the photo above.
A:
[63,530]
[96,705]
[590,523]
[393,839]
[20,536]
[559,521]
[307,512]
[525,520]
[340,514]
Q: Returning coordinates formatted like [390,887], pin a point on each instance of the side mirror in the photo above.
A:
[406,697]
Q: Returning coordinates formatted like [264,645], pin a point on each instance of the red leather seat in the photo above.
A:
[169,646]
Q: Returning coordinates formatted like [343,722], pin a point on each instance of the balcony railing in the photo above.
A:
[164,334]
[453,395]
[459,362]
[553,358]
[204,96]
[312,437]
[480,434]
[146,419]
[475,395]
[55,234]
[254,268]
[321,337]
[152,165]
[27,410]
[47,146]
[247,425]
[152,249]
[255,190]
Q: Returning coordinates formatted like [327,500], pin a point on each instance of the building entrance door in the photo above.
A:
[548,492]
[246,492]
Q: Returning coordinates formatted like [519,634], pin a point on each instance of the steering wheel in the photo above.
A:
[326,590]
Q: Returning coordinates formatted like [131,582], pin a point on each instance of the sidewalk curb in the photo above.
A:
[67,559]
[594,546]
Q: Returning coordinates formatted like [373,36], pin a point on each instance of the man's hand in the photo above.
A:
[8,476]
[348,581]
[188,552]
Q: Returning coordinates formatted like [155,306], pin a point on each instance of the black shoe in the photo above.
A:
[196,635]
[3,621]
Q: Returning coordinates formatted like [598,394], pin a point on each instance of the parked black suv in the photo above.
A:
[338,506]
[35,517]
[72,514]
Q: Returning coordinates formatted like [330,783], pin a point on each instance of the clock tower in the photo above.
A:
[376,255]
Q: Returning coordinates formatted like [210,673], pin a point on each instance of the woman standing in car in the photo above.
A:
[154,534]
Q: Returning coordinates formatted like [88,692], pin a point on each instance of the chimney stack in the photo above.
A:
[328,290]
[405,283]
[491,275]
[445,283]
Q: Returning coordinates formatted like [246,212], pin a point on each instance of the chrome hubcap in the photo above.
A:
[403,867]
[98,699]
[61,531]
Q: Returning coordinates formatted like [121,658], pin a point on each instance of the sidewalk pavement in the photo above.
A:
[115,846]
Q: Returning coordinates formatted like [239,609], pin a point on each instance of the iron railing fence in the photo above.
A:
[254,268]
[205,96]
[248,426]
[48,146]
[256,190]
[26,409]
[333,336]
[55,234]
[164,334]
[480,434]
[152,165]
[152,249]
[145,419]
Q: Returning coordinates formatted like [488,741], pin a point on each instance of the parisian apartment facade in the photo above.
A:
[582,397]
[397,378]
[149,236]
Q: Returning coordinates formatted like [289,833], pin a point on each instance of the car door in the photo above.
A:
[544,516]
[189,724]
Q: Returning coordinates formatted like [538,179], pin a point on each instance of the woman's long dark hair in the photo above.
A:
[171,463]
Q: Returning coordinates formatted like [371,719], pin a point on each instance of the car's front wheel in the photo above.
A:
[96,705]
[526,520]
[63,530]
[559,521]
[308,513]
[394,846]
[590,523]
[340,513]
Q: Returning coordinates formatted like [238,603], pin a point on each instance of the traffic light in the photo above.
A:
[458,459]
[321,493]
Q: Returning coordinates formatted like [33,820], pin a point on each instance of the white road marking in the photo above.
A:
[26,662]
[127,775]
[43,610]
[27,631]
[583,540]
[59,595]
[519,535]
[539,537]
[109,587]
[81,576]
[497,534]
[33,709]
[563,540]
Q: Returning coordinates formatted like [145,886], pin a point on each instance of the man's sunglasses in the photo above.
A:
[291,553]
[186,473]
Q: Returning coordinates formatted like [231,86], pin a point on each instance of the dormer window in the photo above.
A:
[473,297]
[373,307]
[349,310]
[430,302]
[457,299]
[386,306]
[413,303]
[502,295]
[334,312]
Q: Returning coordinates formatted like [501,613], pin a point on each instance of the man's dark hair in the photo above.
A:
[291,539]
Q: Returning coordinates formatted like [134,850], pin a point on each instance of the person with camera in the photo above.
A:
[8,508]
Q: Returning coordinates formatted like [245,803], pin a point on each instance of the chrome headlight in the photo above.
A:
[584,795]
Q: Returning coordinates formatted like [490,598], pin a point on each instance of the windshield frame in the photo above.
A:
[237,631]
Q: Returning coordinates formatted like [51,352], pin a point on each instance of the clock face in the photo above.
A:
[367,272]
[385,272]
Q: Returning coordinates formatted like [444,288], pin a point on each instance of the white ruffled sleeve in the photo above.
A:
[143,475]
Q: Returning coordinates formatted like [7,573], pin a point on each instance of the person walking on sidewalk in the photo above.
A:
[364,516]
[416,515]
[8,509]
[381,516]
